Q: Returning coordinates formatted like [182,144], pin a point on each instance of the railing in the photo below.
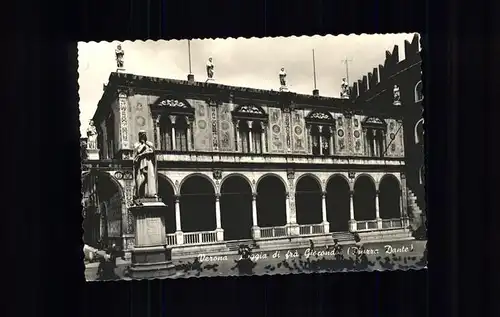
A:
[235,157]
[200,237]
[392,223]
[273,232]
[311,229]
[171,239]
[366,225]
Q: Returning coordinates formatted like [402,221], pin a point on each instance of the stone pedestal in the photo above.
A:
[120,70]
[353,226]
[293,229]
[150,256]
[190,78]
[210,80]
[93,154]
[283,88]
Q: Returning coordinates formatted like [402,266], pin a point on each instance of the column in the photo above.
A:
[320,128]
[309,139]
[250,137]
[157,139]
[237,125]
[374,143]
[377,210]
[219,231]
[255,223]
[189,129]
[172,120]
[331,140]
[384,143]
[263,137]
[326,225]
[352,221]
[178,229]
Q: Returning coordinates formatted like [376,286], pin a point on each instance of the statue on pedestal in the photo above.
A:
[282,75]
[119,53]
[396,96]
[91,136]
[210,69]
[144,168]
[344,89]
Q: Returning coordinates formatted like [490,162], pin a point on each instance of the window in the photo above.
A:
[173,130]
[419,96]
[419,131]
[250,132]
[374,133]
[321,138]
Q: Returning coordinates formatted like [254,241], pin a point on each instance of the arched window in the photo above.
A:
[250,124]
[173,124]
[320,126]
[419,96]
[374,132]
[419,131]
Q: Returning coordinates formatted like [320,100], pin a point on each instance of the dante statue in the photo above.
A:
[119,56]
[210,68]
[282,75]
[144,168]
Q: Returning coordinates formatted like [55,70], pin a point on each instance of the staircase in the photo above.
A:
[414,211]
[343,236]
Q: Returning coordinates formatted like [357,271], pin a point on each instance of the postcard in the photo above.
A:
[223,157]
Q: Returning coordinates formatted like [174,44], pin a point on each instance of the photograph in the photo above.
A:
[252,156]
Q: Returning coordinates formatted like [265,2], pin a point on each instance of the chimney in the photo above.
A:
[316,92]
[191,78]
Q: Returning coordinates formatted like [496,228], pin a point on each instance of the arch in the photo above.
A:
[419,96]
[170,101]
[103,201]
[419,136]
[250,109]
[167,193]
[236,208]
[338,190]
[364,175]
[320,115]
[342,176]
[170,182]
[271,201]
[394,177]
[186,178]
[308,200]
[108,175]
[271,175]
[421,174]
[238,175]
[390,197]
[197,203]
[310,175]
[364,198]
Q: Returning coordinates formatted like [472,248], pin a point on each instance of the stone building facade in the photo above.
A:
[377,87]
[275,169]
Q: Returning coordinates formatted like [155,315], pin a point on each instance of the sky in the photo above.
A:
[253,63]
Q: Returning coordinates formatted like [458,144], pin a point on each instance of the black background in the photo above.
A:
[43,266]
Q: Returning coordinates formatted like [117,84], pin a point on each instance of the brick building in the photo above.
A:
[376,90]
[275,169]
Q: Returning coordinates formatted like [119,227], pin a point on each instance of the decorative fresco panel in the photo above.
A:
[298,131]
[275,126]
[287,128]
[394,139]
[357,133]
[340,138]
[226,128]
[214,128]
[202,132]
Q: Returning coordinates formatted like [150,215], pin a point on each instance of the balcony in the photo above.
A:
[268,158]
